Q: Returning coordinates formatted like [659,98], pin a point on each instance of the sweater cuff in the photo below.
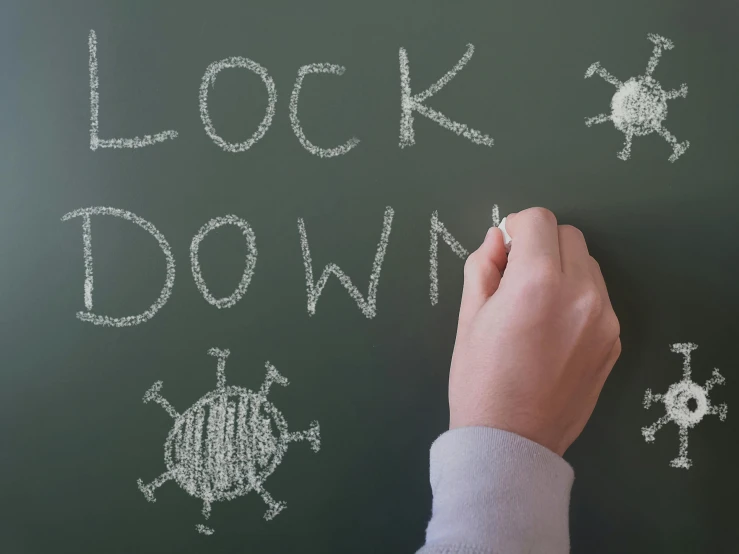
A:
[498,492]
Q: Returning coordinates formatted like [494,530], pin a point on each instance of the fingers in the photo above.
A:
[482,272]
[534,235]
[573,251]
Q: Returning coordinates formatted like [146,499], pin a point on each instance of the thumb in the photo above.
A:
[482,273]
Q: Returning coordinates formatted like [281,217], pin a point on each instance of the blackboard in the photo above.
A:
[76,434]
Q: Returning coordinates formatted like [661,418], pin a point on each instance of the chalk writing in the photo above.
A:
[251,260]
[126,321]
[415,102]
[438,229]
[640,104]
[227,443]
[410,103]
[677,404]
[298,130]
[95,141]
[209,79]
[314,289]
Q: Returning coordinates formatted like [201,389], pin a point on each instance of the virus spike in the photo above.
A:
[678,149]
[649,432]
[600,118]
[602,73]
[221,370]
[273,507]
[721,411]
[682,461]
[716,379]
[659,44]
[650,397]
[312,435]
[148,490]
[625,153]
[684,348]
[273,376]
[152,395]
[682,92]
[203,530]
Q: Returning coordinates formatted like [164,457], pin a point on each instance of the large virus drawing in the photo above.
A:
[227,443]
[686,403]
[640,104]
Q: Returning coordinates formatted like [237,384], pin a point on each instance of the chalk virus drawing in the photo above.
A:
[639,105]
[95,141]
[677,401]
[438,229]
[227,443]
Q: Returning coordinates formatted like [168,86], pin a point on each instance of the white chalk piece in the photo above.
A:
[95,141]
[677,407]
[639,105]
[414,102]
[439,229]
[131,320]
[314,290]
[506,237]
[209,79]
[227,443]
[250,262]
[298,130]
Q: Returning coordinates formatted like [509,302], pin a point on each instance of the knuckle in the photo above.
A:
[590,302]
[572,232]
[594,263]
[541,214]
[617,348]
[612,326]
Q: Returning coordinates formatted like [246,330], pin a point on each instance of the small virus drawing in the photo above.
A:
[227,443]
[640,104]
[686,403]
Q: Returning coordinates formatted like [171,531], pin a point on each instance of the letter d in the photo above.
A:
[130,320]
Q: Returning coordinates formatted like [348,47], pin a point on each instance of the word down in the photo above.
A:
[366,303]
[410,104]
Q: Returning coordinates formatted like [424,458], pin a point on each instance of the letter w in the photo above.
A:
[314,289]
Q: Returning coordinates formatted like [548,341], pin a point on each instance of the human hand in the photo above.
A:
[535,346]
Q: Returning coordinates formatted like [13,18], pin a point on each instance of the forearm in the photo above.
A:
[497,493]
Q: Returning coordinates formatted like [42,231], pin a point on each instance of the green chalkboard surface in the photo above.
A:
[203,200]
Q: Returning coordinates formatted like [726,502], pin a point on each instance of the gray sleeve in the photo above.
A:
[496,492]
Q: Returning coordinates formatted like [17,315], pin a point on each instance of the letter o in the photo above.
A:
[250,262]
[209,79]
